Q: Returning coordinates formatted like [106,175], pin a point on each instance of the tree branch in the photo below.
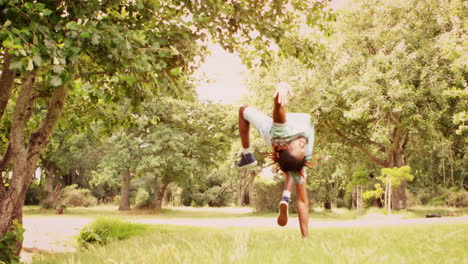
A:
[7,80]
[356,145]
[54,110]
[21,114]
[4,161]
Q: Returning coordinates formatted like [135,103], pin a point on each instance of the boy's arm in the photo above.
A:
[283,91]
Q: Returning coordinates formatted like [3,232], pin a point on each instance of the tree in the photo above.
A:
[393,178]
[114,50]
[171,141]
[380,83]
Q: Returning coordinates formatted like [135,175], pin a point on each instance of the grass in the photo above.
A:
[220,213]
[170,244]
[105,230]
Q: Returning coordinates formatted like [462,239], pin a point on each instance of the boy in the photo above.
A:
[292,138]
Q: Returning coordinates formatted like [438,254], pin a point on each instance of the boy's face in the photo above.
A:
[297,147]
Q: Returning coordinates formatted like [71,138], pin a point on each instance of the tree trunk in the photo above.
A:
[125,191]
[354,198]
[243,184]
[25,159]
[7,80]
[251,188]
[241,193]
[164,200]
[158,197]
[399,199]
[398,195]
[390,202]
[51,194]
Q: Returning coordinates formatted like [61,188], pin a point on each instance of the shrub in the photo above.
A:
[73,196]
[116,200]
[457,199]
[142,198]
[267,195]
[105,230]
[34,193]
[412,200]
[8,244]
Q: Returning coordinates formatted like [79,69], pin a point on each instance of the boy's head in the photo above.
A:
[292,158]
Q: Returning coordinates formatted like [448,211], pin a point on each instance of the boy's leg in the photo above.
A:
[244,128]
[302,203]
[284,203]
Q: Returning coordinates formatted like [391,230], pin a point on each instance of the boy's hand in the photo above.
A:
[283,91]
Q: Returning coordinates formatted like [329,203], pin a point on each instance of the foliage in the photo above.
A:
[142,198]
[396,175]
[374,194]
[457,198]
[360,177]
[9,244]
[34,194]
[73,196]
[267,195]
[172,142]
[389,82]
[105,230]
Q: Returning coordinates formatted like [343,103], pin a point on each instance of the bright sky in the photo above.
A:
[224,70]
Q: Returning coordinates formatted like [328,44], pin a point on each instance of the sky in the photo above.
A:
[224,70]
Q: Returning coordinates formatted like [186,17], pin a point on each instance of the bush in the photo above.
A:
[105,230]
[73,196]
[34,193]
[412,200]
[8,244]
[457,199]
[267,195]
[142,198]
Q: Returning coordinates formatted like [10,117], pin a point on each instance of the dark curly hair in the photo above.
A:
[283,161]
[288,162]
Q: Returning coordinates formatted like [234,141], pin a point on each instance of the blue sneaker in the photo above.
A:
[246,160]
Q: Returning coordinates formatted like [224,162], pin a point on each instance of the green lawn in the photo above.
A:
[316,213]
[170,244]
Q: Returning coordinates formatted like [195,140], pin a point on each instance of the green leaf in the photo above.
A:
[95,39]
[175,71]
[30,65]
[7,23]
[84,35]
[16,65]
[46,12]
[55,80]
[57,69]
[72,25]
[37,60]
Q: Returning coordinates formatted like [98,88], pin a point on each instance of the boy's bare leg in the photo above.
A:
[302,203]
[283,207]
[244,127]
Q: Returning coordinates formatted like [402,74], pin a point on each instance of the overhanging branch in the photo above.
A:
[356,145]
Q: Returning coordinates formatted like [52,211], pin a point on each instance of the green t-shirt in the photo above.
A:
[297,124]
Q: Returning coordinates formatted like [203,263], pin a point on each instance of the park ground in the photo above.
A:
[47,232]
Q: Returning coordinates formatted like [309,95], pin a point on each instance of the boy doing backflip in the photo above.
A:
[291,137]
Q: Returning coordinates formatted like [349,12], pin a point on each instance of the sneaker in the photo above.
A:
[246,160]
[283,212]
